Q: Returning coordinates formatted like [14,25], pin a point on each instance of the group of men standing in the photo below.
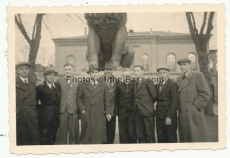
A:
[61,104]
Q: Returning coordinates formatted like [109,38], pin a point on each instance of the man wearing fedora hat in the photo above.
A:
[194,95]
[111,85]
[48,99]
[94,105]
[26,113]
[166,109]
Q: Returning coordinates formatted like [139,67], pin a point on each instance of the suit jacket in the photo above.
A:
[68,96]
[47,109]
[25,97]
[194,95]
[168,100]
[145,95]
[112,94]
[124,100]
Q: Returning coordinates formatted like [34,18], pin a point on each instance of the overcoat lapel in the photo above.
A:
[97,89]
[89,86]
[30,88]
[21,85]
[184,82]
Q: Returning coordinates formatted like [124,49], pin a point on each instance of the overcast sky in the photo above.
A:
[69,25]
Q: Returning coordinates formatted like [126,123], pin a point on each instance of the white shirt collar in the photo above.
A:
[23,79]
[49,84]
[92,82]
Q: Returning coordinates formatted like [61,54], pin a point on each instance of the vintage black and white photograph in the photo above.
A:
[87,78]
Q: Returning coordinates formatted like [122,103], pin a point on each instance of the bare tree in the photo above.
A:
[24,52]
[34,41]
[201,40]
[42,56]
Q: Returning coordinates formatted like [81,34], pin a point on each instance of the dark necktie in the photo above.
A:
[26,82]
[52,87]
[183,76]
[127,88]
[161,85]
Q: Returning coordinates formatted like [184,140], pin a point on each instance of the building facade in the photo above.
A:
[152,50]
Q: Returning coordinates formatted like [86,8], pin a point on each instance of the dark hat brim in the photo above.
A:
[113,67]
[163,68]
[183,61]
[23,64]
[92,70]
[50,73]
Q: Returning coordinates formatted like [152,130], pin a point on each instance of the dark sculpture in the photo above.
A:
[106,39]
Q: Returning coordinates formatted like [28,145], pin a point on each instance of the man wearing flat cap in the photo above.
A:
[194,95]
[26,112]
[48,105]
[111,85]
[166,109]
[94,105]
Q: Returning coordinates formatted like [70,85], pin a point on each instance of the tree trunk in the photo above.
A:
[34,42]
[203,64]
[201,40]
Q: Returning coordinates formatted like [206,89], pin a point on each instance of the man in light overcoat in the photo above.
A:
[94,105]
[194,95]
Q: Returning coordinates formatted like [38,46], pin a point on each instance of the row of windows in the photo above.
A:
[171,61]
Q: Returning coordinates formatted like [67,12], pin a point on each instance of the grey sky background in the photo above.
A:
[69,25]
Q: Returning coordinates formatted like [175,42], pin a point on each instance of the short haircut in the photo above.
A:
[68,64]
[139,66]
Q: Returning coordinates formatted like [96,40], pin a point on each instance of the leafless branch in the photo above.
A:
[21,27]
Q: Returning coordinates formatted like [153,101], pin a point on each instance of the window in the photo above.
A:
[70,59]
[145,59]
[171,61]
[192,57]
[210,64]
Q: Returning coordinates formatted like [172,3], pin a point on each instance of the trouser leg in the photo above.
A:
[131,128]
[150,128]
[140,127]
[63,128]
[123,128]
[110,130]
[171,131]
[73,126]
[161,133]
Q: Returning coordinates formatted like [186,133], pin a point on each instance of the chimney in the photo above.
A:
[151,31]
[85,31]
[131,31]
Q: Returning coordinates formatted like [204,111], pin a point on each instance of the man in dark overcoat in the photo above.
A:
[194,94]
[48,105]
[94,105]
[26,113]
[68,108]
[166,109]
[125,106]
[145,95]
[111,85]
